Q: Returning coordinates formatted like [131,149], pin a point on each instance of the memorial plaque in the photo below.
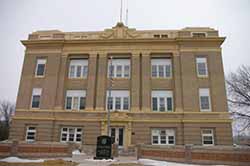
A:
[103,148]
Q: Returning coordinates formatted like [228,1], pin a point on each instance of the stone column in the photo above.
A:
[101,81]
[61,83]
[91,87]
[146,82]
[135,82]
[177,83]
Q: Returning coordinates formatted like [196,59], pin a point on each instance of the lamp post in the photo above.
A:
[109,94]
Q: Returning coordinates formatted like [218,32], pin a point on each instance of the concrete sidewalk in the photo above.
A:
[120,161]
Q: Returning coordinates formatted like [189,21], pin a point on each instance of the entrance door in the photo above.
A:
[117,134]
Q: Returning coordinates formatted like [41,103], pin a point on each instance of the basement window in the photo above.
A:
[30,134]
[71,134]
[207,137]
[163,137]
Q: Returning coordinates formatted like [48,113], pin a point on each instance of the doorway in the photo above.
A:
[117,134]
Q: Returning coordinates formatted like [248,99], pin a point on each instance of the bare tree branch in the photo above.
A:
[6,110]
[238,89]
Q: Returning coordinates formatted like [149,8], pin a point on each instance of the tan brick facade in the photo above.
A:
[140,47]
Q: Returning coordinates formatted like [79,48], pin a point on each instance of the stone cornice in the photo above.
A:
[177,41]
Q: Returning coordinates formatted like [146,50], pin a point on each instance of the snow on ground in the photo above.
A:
[19,160]
[160,163]
[103,160]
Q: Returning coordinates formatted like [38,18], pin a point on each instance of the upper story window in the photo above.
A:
[207,137]
[120,68]
[205,104]
[201,66]
[78,68]
[30,134]
[163,136]
[119,100]
[162,101]
[199,34]
[71,134]
[40,67]
[75,100]
[36,97]
[161,68]
[157,36]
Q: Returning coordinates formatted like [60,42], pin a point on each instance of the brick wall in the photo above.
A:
[35,149]
[197,154]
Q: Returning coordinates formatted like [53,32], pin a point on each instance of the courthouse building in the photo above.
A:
[163,87]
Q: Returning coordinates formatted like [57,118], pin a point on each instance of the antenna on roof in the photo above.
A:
[121,12]
[127,14]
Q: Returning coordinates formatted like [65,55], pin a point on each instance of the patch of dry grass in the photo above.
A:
[45,163]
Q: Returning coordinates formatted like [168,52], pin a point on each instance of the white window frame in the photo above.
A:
[161,62]
[75,134]
[38,62]
[36,92]
[118,94]
[207,135]
[28,131]
[122,63]
[198,61]
[162,94]
[75,94]
[205,92]
[168,133]
[83,63]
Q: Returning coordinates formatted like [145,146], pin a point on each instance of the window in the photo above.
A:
[120,68]
[30,134]
[163,137]
[162,101]
[71,134]
[204,99]
[119,100]
[40,67]
[164,36]
[199,34]
[157,36]
[161,68]
[75,99]
[207,137]
[201,65]
[78,68]
[36,95]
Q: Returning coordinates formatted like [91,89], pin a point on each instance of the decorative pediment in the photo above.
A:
[119,116]
[120,31]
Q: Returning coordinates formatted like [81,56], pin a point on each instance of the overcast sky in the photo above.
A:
[21,17]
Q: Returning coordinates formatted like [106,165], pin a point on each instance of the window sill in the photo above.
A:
[208,145]
[162,111]
[161,78]
[119,78]
[205,110]
[202,77]
[39,76]
[80,78]
[74,110]
[35,108]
